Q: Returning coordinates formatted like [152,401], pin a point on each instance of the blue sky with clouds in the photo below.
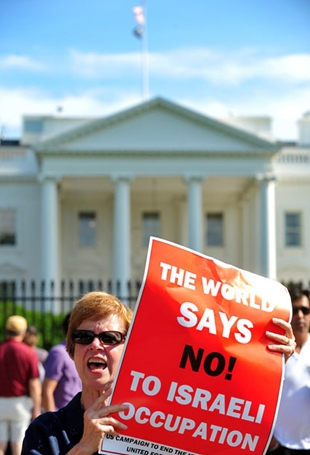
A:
[221,58]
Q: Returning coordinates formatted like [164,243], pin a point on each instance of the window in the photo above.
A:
[7,227]
[292,229]
[87,229]
[33,126]
[215,229]
[150,226]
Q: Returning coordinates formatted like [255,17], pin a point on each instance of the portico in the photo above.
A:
[161,157]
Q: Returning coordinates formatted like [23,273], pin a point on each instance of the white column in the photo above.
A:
[246,230]
[122,234]
[268,264]
[194,212]
[49,233]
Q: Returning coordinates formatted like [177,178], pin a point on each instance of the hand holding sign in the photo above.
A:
[288,340]
[196,352]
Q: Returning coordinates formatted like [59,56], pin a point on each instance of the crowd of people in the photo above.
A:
[65,409]
[33,380]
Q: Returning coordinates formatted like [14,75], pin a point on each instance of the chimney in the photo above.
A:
[304,130]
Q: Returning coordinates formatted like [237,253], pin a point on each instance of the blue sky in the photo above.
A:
[220,57]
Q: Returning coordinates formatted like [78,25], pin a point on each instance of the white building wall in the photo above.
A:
[293,263]
[87,263]
[21,261]
[173,223]
[241,246]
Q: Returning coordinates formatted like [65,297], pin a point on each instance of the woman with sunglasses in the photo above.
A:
[95,339]
[97,330]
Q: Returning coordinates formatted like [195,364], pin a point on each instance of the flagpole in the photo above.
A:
[145,66]
[140,32]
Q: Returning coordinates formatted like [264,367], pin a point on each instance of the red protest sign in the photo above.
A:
[195,370]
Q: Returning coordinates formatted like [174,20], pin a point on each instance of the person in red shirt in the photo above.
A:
[20,387]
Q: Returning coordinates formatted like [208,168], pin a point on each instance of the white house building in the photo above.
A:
[79,198]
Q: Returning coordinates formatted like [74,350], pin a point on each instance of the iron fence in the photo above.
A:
[45,305]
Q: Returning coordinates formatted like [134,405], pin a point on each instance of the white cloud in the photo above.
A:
[217,67]
[18,102]
[232,68]
[284,109]
[291,68]
[278,86]
[196,63]
[103,66]
[98,103]
[21,62]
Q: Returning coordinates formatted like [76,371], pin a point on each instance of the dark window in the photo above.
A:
[7,227]
[33,126]
[215,229]
[87,229]
[150,226]
[292,229]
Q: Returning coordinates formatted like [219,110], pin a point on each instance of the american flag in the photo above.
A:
[139,15]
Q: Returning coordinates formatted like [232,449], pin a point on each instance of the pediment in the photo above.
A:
[158,126]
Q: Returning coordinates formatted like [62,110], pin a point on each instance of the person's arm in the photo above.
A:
[48,401]
[35,391]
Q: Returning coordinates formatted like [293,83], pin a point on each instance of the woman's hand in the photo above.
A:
[287,341]
[97,423]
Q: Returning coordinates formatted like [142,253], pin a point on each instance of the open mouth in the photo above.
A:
[96,364]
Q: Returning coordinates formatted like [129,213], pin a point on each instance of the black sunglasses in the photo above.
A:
[109,337]
[304,309]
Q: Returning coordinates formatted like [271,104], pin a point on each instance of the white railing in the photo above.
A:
[297,156]
[292,156]
[10,155]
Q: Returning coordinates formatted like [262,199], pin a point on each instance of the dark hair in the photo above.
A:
[31,336]
[65,323]
[296,292]
[32,330]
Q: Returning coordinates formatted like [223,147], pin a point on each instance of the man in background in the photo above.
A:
[61,382]
[20,387]
[32,339]
[292,430]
